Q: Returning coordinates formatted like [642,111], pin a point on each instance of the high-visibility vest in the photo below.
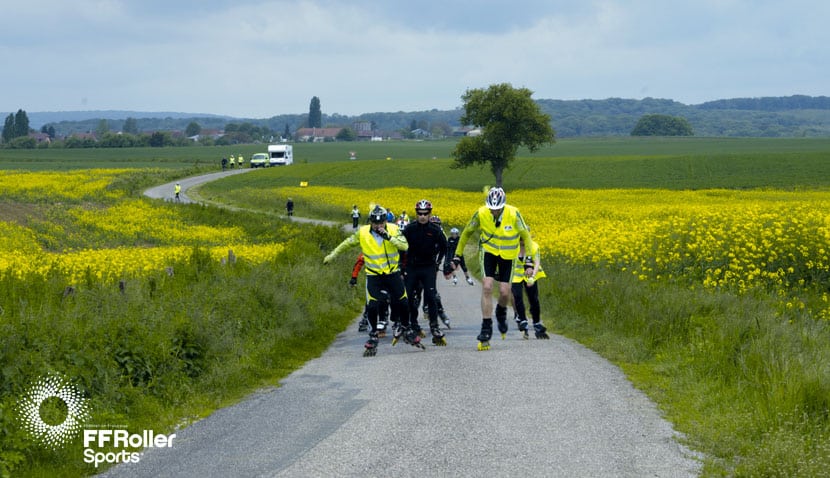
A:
[527,260]
[501,240]
[380,257]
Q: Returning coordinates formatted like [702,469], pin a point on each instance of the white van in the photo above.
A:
[280,154]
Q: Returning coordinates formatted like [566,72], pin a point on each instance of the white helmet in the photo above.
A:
[495,198]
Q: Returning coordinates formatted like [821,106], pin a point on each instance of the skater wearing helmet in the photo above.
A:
[500,227]
[526,271]
[381,244]
[425,239]
[452,245]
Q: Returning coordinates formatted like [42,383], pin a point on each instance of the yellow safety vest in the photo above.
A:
[381,257]
[501,240]
[522,262]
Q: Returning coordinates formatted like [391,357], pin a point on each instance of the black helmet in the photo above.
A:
[377,215]
[435,219]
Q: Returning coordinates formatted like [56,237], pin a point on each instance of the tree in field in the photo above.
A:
[315,115]
[21,124]
[346,134]
[102,129]
[131,126]
[48,129]
[662,125]
[508,119]
[8,128]
[16,126]
[287,133]
[193,128]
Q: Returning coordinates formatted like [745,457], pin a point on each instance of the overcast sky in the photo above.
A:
[256,59]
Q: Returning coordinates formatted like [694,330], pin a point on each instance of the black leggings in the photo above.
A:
[532,299]
[393,285]
[421,278]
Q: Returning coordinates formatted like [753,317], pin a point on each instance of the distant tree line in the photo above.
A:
[790,116]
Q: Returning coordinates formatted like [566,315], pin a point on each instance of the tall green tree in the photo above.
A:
[315,115]
[8,128]
[21,124]
[48,129]
[102,129]
[193,128]
[131,125]
[508,119]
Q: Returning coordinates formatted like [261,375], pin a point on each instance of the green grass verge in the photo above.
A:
[746,386]
[169,349]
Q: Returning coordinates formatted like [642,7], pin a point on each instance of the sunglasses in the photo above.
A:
[422,213]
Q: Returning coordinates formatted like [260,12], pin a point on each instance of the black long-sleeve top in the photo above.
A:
[427,244]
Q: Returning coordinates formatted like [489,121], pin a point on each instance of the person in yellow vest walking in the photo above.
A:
[381,244]
[500,227]
[240,159]
[177,190]
[232,162]
[527,269]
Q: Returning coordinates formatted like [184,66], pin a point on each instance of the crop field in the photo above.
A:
[700,266]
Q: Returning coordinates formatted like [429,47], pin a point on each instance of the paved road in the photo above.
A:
[523,408]
[165,191]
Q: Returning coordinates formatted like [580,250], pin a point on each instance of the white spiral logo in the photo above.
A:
[53,386]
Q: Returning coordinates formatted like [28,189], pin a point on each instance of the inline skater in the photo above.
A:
[381,244]
[424,239]
[499,226]
[526,271]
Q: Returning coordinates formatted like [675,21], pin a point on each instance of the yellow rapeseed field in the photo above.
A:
[731,239]
[717,239]
[127,220]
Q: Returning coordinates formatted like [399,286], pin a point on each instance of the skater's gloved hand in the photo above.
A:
[328,259]
[530,281]
[456,261]
[385,234]
[353,281]
[447,269]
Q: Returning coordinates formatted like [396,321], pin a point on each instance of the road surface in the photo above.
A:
[547,408]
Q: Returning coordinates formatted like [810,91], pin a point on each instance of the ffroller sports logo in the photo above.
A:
[101,445]
[77,411]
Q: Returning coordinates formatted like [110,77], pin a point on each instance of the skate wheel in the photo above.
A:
[394,341]
[370,352]
[525,335]
[381,334]
[503,336]
[484,345]
[442,342]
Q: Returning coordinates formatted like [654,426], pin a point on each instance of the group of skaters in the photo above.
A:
[401,260]
[232,162]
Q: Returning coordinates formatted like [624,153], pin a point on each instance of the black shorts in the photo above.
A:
[497,267]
